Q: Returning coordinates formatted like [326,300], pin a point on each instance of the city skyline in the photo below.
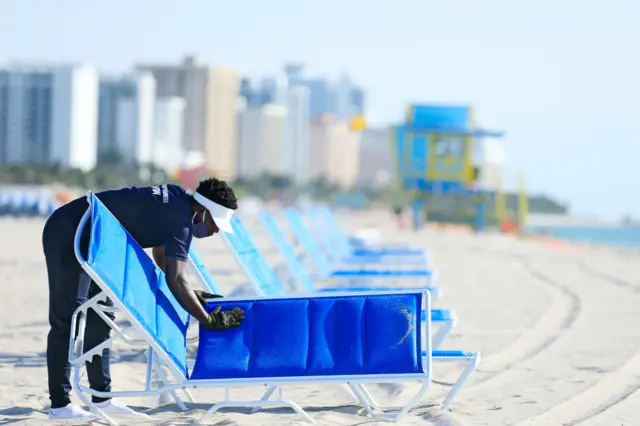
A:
[165,113]
[558,77]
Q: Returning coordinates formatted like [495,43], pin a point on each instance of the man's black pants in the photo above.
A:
[69,287]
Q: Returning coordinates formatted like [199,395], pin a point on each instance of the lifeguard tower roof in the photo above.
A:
[445,120]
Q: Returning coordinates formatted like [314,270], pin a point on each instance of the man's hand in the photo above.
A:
[203,296]
[219,320]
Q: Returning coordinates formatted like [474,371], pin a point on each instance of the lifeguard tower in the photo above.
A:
[434,151]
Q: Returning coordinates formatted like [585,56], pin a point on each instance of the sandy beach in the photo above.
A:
[558,327]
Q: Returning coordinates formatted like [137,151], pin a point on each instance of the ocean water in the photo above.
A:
[622,237]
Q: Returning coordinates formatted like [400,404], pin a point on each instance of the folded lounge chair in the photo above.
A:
[356,339]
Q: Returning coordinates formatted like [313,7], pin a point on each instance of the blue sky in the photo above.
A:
[562,77]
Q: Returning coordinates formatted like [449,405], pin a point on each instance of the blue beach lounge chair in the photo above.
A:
[266,283]
[342,250]
[354,339]
[325,268]
[445,318]
[202,273]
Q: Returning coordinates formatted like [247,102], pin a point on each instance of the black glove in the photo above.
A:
[203,296]
[219,320]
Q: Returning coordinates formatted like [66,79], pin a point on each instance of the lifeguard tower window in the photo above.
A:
[450,148]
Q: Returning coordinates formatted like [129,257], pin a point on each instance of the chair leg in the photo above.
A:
[348,393]
[362,398]
[190,397]
[86,400]
[267,394]
[259,403]
[395,413]
[412,403]
[374,403]
[471,365]
[163,377]
[77,366]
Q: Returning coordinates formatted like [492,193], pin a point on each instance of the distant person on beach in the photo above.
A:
[398,213]
[164,218]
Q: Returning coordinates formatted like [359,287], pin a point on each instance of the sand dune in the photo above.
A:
[558,328]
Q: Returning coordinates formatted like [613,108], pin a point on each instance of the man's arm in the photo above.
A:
[158,257]
[176,280]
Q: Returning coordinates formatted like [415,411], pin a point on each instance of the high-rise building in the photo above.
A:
[168,151]
[334,152]
[274,130]
[296,152]
[295,100]
[376,165]
[27,111]
[306,100]
[293,71]
[358,100]
[319,134]
[221,122]
[320,96]
[258,95]
[249,94]
[320,92]
[347,99]
[249,140]
[49,115]
[189,81]
[126,118]
[210,95]
[344,100]
[261,138]
[276,89]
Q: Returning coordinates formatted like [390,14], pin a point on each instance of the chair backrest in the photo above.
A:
[337,231]
[261,275]
[121,267]
[287,251]
[319,258]
[331,335]
[201,269]
[336,242]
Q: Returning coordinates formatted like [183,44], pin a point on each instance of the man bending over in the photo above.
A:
[164,218]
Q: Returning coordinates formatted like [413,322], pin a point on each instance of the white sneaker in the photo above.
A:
[113,406]
[70,412]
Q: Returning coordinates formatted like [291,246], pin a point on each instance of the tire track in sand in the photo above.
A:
[564,311]
[612,389]
[589,270]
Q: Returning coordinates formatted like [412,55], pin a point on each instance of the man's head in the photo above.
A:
[214,206]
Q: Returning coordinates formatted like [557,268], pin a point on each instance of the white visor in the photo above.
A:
[221,215]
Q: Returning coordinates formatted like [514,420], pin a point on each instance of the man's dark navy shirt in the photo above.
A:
[154,216]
